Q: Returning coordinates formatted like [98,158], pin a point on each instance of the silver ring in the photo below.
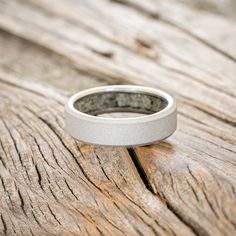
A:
[158,122]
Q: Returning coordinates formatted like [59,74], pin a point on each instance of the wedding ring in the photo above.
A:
[159,119]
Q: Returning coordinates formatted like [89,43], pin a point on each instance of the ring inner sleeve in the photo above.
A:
[108,102]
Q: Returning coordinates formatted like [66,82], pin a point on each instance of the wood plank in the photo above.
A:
[52,184]
[178,181]
[198,24]
[48,68]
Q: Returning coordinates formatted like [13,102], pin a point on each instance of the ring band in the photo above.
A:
[158,123]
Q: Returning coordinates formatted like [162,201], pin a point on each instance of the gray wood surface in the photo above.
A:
[50,184]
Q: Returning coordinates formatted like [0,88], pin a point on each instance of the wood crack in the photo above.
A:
[71,190]
[196,230]
[53,214]
[74,157]
[133,202]
[4,225]
[22,202]
[140,170]
[39,177]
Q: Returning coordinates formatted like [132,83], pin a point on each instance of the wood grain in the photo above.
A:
[54,185]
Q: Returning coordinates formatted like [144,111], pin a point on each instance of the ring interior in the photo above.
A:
[109,102]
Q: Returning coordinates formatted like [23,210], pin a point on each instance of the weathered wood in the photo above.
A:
[52,184]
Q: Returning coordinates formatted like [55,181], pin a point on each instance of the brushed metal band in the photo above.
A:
[159,121]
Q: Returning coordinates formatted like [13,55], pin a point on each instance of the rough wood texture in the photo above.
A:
[53,185]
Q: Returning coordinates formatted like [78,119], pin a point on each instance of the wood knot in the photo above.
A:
[103,53]
[144,43]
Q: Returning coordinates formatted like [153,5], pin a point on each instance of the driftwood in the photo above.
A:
[53,185]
